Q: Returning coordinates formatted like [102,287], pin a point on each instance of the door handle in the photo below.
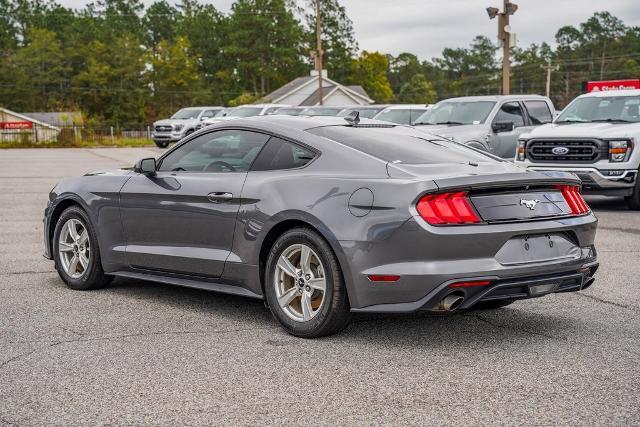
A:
[219,197]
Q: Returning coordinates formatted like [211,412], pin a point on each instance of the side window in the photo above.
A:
[270,110]
[280,154]
[414,114]
[539,112]
[208,113]
[510,112]
[222,151]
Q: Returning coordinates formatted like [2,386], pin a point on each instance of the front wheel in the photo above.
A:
[304,285]
[633,201]
[162,144]
[76,254]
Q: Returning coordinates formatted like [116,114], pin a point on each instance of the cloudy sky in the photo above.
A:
[425,27]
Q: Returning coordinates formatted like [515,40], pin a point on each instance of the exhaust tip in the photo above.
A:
[588,283]
[451,302]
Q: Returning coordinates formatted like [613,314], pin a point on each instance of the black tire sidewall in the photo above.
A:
[162,144]
[317,326]
[93,275]
[633,201]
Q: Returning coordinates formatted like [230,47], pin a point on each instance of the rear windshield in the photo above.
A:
[400,144]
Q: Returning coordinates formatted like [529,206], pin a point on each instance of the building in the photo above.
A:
[58,118]
[17,127]
[304,91]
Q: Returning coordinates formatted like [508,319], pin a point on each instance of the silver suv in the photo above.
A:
[181,124]
[596,137]
[489,123]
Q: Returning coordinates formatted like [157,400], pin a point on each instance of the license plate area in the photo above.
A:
[538,248]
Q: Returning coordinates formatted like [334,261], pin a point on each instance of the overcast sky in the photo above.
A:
[425,27]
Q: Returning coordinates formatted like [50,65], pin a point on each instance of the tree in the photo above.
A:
[265,44]
[370,71]
[418,90]
[401,69]
[160,22]
[173,76]
[338,39]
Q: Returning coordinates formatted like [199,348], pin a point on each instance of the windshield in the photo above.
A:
[400,116]
[457,113]
[222,112]
[321,111]
[245,112]
[602,109]
[400,144]
[186,113]
[289,111]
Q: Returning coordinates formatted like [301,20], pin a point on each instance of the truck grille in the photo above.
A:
[564,151]
[163,128]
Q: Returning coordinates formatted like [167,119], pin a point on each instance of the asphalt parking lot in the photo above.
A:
[142,353]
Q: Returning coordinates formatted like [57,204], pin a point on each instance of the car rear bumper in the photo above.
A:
[428,259]
[617,182]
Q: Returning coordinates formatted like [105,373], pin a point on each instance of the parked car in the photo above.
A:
[596,137]
[402,114]
[222,113]
[181,124]
[248,110]
[489,123]
[322,217]
[321,111]
[289,111]
[366,111]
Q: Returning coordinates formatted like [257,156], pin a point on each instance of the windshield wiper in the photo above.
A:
[612,120]
[448,123]
[573,121]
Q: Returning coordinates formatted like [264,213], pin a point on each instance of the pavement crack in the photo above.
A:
[604,301]
[553,337]
[624,230]
[17,273]
[19,356]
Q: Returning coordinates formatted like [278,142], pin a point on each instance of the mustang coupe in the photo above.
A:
[322,217]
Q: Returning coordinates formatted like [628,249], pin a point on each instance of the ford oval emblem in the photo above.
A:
[560,151]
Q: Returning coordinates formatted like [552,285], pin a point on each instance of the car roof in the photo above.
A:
[494,98]
[406,106]
[604,93]
[201,108]
[299,122]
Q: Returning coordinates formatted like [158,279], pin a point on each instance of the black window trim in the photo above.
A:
[525,113]
[524,105]
[195,135]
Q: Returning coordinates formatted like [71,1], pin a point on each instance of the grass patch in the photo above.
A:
[117,142]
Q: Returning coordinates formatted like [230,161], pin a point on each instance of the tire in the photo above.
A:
[86,277]
[331,312]
[162,144]
[491,305]
[189,132]
[633,201]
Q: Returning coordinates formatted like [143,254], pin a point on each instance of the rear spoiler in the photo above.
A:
[505,180]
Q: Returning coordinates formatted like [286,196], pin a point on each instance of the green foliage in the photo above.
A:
[369,70]
[244,98]
[418,90]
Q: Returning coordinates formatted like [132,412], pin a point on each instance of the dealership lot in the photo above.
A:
[138,352]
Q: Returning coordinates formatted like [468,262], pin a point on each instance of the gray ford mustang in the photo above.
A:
[326,216]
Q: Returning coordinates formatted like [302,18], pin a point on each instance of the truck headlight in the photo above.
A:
[520,152]
[177,128]
[619,151]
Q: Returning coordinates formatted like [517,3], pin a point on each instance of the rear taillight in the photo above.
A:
[574,199]
[447,209]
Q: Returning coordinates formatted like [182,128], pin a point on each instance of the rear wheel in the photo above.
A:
[76,254]
[633,201]
[162,144]
[491,305]
[304,286]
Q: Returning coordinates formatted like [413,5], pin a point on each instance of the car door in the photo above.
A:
[182,219]
[503,142]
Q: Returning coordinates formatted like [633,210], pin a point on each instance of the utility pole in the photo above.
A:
[505,36]
[549,69]
[319,52]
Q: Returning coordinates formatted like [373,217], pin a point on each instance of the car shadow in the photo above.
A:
[467,329]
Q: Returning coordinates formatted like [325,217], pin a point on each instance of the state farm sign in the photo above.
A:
[16,125]
[604,85]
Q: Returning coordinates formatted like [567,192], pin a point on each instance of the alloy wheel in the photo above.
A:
[300,282]
[74,248]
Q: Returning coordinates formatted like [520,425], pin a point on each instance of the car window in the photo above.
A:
[401,117]
[209,113]
[270,110]
[400,144]
[510,112]
[221,151]
[415,113]
[457,112]
[280,154]
[597,108]
[539,112]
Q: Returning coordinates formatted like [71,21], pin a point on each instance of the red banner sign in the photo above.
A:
[613,85]
[16,125]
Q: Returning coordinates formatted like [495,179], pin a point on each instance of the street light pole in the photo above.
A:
[319,50]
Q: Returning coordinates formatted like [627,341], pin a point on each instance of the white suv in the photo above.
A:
[596,136]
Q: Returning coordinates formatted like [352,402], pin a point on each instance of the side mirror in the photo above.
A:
[146,166]
[498,127]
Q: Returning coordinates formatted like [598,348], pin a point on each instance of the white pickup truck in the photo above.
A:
[597,137]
